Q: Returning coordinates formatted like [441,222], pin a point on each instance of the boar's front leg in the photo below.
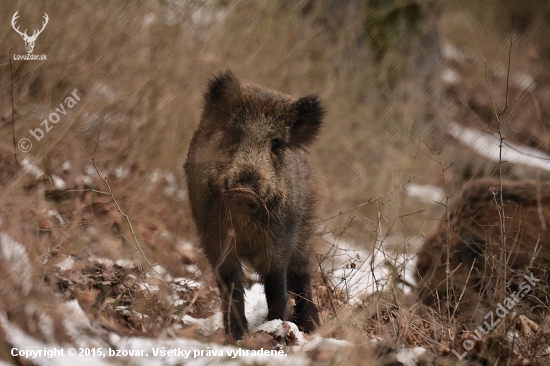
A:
[276,295]
[305,313]
[229,277]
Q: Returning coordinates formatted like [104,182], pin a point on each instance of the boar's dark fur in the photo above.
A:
[471,240]
[253,196]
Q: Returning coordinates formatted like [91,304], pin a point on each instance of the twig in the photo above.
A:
[464,288]
[85,190]
[412,213]
[12,112]
[191,303]
[361,204]
[114,199]
[500,201]
[490,93]
[508,74]
[530,84]
[329,288]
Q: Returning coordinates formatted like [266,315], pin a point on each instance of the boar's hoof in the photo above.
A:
[243,203]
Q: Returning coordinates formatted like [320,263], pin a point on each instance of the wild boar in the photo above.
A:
[253,196]
[473,238]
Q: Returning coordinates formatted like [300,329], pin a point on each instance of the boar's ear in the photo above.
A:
[221,96]
[308,120]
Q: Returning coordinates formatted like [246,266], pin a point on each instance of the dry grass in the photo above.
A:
[140,69]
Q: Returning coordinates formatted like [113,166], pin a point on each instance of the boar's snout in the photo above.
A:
[242,201]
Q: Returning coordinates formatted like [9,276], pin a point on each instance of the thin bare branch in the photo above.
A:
[12,112]
[104,179]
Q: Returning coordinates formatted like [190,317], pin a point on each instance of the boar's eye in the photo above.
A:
[277,146]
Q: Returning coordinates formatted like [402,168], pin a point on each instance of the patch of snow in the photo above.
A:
[18,263]
[450,76]
[102,262]
[452,52]
[169,190]
[90,170]
[158,272]
[255,306]
[204,16]
[193,269]
[277,328]
[22,341]
[171,186]
[359,272]
[144,286]
[425,192]
[155,177]
[186,245]
[176,301]
[186,283]
[83,179]
[175,297]
[182,195]
[58,182]
[75,316]
[512,335]
[148,19]
[319,342]
[125,311]
[207,326]
[46,325]
[66,264]
[409,273]
[376,340]
[487,145]
[121,172]
[105,91]
[170,179]
[524,80]
[66,166]
[125,263]
[57,216]
[409,356]
[31,169]
[166,235]
[251,275]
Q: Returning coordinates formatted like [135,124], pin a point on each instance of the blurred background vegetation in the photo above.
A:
[395,76]
[392,74]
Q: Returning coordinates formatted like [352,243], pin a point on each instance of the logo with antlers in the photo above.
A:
[29,40]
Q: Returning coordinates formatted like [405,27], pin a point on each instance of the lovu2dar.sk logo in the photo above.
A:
[29,40]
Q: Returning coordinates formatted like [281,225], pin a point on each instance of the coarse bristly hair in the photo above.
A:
[253,196]
[475,244]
